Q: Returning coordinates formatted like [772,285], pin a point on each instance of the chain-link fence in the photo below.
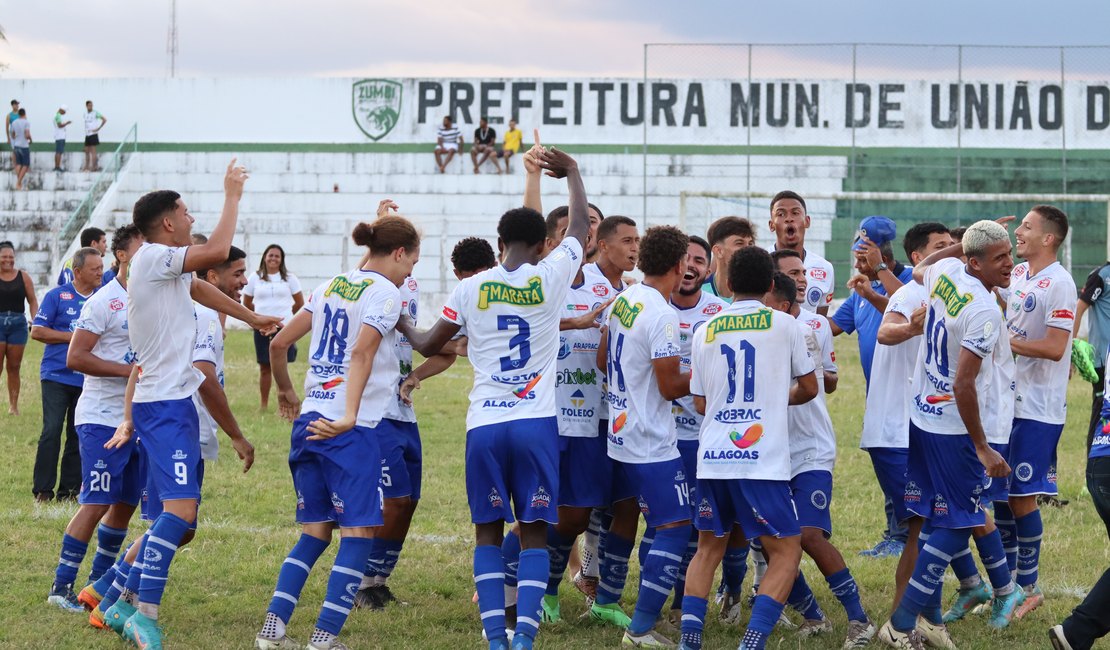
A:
[858,118]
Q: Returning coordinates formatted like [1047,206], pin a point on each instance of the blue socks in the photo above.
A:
[489,580]
[645,546]
[994,561]
[844,587]
[693,621]
[734,568]
[558,548]
[73,552]
[294,571]
[687,557]
[510,555]
[923,593]
[1007,528]
[135,575]
[158,551]
[765,613]
[532,577]
[384,554]
[108,542]
[112,592]
[614,568]
[657,576]
[1029,532]
[346,575]
[801,600]
[963,565]
[104,583]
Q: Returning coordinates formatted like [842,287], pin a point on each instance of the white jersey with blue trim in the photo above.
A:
[1034,303]
[105,314]
[642,327]
[209,348]
[578,382]
[744,362]
[410,298]
[686,417]
[512,320]
[961,315]
[161,323]
[340,308]
[886,415]
[998,423]
[812,439]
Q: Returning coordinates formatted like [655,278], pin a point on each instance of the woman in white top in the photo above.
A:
[272,291]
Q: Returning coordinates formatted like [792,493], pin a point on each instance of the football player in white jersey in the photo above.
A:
[812,457]
[512,314]
[949,456]
[162,325]
[643,360]
[725,236]
[1040,314]
[743,362]
[789,221]
[101,350]
[213,410]
[886,418]
[352,375]
[695,306]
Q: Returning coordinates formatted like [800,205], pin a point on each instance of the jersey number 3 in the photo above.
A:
[518,344]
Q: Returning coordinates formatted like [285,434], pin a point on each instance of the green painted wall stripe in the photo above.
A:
[630,149]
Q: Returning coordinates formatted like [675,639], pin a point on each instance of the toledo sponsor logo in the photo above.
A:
[577,410]
[954,302]
[759,320]
[530,295]
[626,312]
[347,290]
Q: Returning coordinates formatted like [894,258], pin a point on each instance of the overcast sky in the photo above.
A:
[436,38]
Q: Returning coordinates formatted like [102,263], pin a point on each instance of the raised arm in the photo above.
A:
[955,250]
[205,256]
[560,165]
[532,175]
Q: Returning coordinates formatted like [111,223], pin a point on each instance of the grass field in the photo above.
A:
[221,583]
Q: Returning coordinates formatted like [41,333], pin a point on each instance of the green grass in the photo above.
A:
[221,583]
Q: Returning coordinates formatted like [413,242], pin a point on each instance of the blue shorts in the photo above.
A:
[688,450]
[812,492]
[1033,457]
[151,504]
[585,472]
[59,146]
[947,484]
[13,328]
[513,461]
[108,475]
[759,507]
[402,459]
[22,156]
[170,434]
[997,489]
[661,489]
[334,478]
[890,469]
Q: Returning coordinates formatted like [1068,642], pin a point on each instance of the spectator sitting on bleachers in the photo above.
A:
[511,146]
[485,140]
[448,141]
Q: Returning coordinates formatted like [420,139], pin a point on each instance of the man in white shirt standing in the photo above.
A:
[744,363]
[94,121]
[643,360]
[1040,313]
[162,326]
[790,221]
[60,124]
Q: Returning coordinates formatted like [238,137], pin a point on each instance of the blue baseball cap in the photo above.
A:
[880,230]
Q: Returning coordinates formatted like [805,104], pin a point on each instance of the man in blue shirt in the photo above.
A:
[53,325]
[880,275]
[91,237]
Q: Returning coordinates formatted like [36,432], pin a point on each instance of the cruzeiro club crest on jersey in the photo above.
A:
[376,106]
